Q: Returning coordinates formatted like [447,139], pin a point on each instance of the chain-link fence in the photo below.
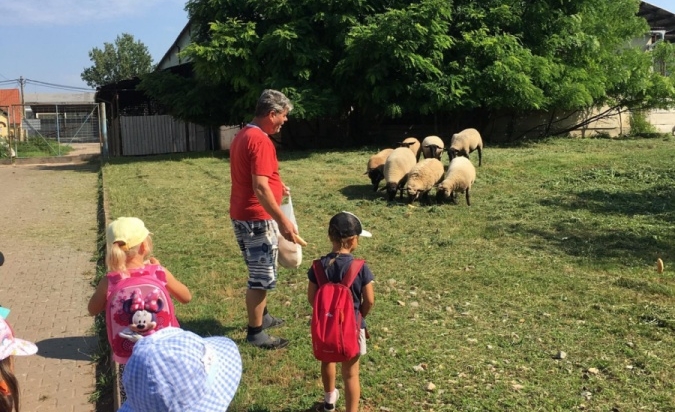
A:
[47,127]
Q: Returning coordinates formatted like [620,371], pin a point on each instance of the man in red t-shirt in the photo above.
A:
[256,216]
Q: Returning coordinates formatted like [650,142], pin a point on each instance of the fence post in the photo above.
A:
[58,131]
[103,128]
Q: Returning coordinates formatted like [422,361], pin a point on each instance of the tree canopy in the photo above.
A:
[124,59]
[389,58]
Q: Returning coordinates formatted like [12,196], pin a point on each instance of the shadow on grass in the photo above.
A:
[317,407]
[206,327]
[362,192]
[628,244]
[658,202]
[590,242]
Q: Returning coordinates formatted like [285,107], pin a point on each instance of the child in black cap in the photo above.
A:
[344,230]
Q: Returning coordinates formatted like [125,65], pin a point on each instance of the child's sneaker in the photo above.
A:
[329,404]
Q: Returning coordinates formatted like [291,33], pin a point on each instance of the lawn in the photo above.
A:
[35,147]
[541,296]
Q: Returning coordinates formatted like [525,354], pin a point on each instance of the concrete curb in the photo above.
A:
[117,377]
[83,158]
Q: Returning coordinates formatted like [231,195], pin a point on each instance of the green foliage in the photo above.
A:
[389,59]
[187,98]
[124,59]
[639,125]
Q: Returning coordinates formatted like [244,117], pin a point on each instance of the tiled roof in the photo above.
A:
[10,100]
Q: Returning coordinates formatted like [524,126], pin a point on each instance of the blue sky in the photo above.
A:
[49,40]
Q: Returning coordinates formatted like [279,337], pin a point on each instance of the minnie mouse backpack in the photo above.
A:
[137,306]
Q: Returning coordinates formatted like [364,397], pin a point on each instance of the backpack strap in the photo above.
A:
[319,273]
[349,277]
[354,269]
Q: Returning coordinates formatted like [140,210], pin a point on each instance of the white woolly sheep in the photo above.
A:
[375,168]
[413,144]
[432,146]
[396,169]
[465,142]
[460,176]
[423,177]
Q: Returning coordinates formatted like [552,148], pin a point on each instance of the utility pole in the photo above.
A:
[22,81]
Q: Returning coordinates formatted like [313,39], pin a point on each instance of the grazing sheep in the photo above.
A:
[465,142]
[460,176]
[412,144]
[396,169]
[432,146]
[375,169]
[423,177]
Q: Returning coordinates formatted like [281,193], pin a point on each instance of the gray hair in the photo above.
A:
[272,100]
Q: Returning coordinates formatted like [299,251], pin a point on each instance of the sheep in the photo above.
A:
[465,142]
[413,144]
[460,176]
[396,169]
[423,177]
[375,168]
[432,146]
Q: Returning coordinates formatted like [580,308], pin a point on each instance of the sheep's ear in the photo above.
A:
[382,189]
[366,172]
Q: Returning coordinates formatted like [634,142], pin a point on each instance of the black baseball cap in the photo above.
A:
[346,224]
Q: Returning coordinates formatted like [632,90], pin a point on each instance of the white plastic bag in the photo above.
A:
[290,254]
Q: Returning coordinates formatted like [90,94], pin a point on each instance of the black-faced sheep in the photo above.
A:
[460,176]
[413,144]
[423,177]
[465,142]
[399,163]
[432,146]
[375,168]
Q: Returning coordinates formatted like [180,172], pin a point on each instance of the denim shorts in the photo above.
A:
[259,244]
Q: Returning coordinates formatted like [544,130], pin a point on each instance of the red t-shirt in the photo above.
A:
[252,152]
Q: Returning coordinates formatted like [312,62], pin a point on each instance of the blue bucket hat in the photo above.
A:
[174,370]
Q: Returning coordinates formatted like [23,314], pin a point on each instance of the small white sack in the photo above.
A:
[290,254]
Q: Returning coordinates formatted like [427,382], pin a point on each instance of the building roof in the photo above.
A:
[658,19]
[10,99]
[59,98]
[184,38]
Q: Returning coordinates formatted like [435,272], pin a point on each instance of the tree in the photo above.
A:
[390,58]
[124,59]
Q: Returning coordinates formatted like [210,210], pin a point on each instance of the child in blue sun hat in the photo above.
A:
[174,370]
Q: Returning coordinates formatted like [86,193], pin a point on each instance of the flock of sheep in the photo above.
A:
[402,170]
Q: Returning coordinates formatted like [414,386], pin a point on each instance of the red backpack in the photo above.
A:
[335,326]
[136,306]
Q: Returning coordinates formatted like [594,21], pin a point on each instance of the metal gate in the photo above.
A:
[52,127]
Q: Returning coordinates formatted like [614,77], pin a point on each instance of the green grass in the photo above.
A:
[555,254]
[36,147]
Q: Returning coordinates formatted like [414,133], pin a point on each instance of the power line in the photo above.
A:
[59,86]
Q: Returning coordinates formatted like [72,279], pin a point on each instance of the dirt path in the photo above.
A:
[48,237]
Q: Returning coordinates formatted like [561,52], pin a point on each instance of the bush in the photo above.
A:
[640,126]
